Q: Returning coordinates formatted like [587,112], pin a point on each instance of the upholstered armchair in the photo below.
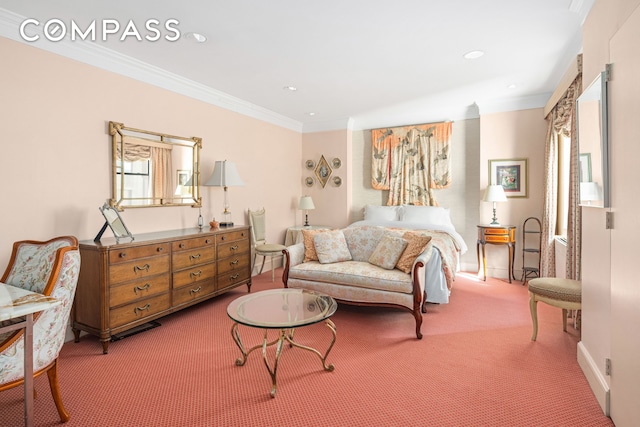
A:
[50,268]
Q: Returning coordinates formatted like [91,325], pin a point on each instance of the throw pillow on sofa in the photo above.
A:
[331,246]
[388,252]
[309,248]
[416,244]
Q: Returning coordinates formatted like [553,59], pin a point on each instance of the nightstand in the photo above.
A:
[496,235]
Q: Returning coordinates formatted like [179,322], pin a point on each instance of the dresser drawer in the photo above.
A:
[233,277]
[233,248]
[139,268]
[193,243]
[233,263]
[193,257]
[193,292]
[232,235]
[139,310]
[497,239]
[488,231]
[117,256]
[138,289]
[194,275]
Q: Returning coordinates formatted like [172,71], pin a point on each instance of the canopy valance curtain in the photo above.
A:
[411,161]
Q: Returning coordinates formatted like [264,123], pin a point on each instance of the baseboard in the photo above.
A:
[594,377]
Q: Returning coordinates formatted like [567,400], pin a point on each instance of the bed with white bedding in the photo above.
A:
[447,243]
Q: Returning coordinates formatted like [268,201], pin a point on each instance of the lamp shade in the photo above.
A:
[306,203]
[494,193]
[225,174]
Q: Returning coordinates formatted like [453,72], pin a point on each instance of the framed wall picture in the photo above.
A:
[323,171]
[183,187]
[585,167]
[512,174]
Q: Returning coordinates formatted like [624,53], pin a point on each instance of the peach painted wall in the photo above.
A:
[56,150]
[332,202]
[512,135]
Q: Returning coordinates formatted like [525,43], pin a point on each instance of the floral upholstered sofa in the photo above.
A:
[364,265]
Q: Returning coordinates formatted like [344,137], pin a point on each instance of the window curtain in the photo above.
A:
[411,161]
[161,171]
[562,121]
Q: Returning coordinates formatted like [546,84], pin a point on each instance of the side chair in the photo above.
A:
[50,268]
[257,220]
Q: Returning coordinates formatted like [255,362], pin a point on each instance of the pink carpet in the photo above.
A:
[475,366]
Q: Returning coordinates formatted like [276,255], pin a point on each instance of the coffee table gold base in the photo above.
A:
[285,335]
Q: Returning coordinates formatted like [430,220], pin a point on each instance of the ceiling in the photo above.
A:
[355,63]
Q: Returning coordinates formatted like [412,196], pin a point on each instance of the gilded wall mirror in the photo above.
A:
[151,169]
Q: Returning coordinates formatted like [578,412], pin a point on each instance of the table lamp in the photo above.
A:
[589,191]
[494,193]
[306,204]
[225,174]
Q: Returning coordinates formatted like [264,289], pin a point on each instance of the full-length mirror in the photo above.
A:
[593,142]
[153,169]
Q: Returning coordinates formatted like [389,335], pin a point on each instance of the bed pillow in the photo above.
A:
[416,244]
[331,246]
[309,247]
[382,213]
[428,215]
[388,252]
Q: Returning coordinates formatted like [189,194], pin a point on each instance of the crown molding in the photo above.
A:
[109,60]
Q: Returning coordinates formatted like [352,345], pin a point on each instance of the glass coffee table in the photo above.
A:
[283,309]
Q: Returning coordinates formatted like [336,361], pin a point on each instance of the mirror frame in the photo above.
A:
[114,221]
[119,133]
[601,84]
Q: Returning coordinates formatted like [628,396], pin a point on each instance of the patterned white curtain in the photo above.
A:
[562,121]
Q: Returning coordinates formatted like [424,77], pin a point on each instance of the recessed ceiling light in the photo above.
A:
[474,54]
[311,113]
[512,86]
[290,88]
[197,37]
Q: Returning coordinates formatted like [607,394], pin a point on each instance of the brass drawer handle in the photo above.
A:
[123,254]
[137,309]
[194,274]
[144,267]
[207,241]
[181,245]
[234,248]
[234,277]
[195,291]
[192,257]
[160,249]
[234,262]
[141,288]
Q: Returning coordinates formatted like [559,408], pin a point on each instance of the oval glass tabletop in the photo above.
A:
[282,308]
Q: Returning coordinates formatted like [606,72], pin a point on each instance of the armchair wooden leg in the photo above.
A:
[52,373]
[533,306]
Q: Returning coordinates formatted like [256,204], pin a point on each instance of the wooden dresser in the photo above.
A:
[125,285]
